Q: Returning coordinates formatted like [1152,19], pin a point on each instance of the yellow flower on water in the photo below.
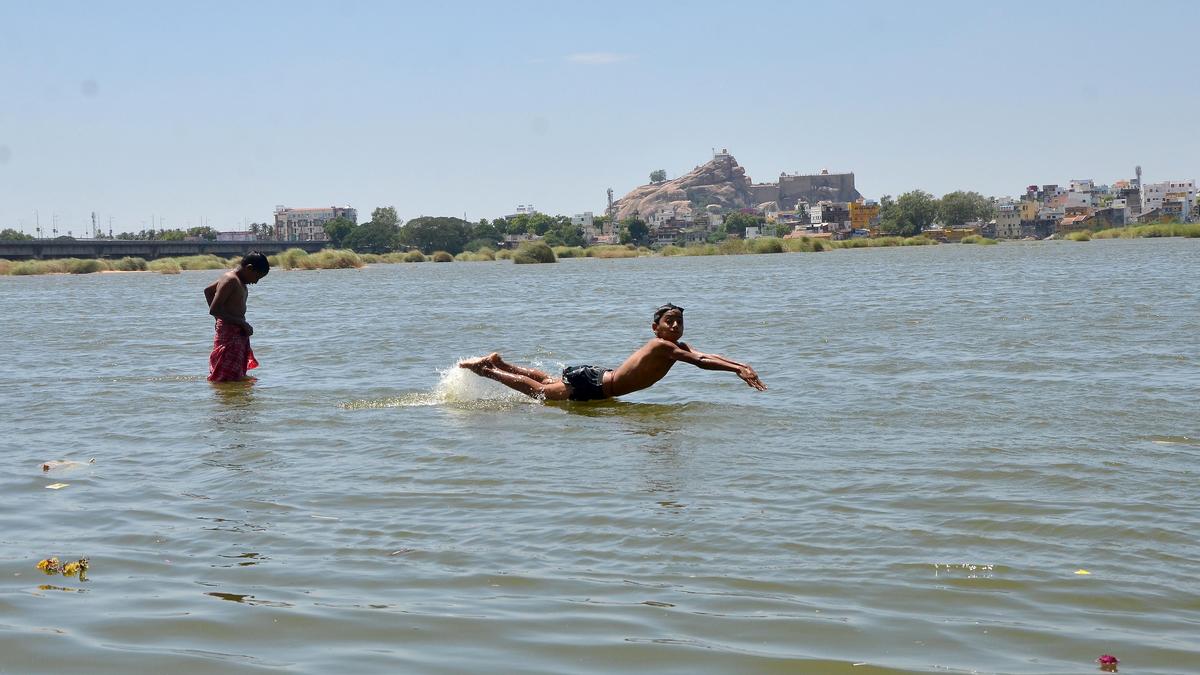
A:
[78,567]
[49,566]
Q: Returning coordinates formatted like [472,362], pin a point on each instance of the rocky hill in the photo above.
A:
[721,181]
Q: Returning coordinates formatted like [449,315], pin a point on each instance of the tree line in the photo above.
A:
[913,212]
[385,232]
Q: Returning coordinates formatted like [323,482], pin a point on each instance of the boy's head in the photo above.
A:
[668,322]
[257,265]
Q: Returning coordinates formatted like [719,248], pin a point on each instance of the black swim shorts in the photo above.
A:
[587,382]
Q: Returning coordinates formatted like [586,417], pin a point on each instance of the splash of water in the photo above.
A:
[456,386]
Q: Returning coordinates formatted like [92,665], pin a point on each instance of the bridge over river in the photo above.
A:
[119,248]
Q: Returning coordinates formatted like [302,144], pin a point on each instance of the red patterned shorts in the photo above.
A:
[231,355]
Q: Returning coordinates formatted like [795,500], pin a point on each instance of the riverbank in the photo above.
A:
[297,259]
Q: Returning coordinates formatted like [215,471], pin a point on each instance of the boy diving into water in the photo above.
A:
[642,369]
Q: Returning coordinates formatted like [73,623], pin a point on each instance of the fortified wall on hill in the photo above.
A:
[722,182]
[811,188]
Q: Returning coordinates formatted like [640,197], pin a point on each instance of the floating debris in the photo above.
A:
[57,486]
[1082,572]
[76,568]
[1108,663]
[79,567]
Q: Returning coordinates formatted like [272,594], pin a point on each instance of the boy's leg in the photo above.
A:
[551,391]
[532,373]
[493,360]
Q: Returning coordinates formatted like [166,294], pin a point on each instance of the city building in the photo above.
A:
[1007,224]
[1029,209]
[1153,194]
[834,215]
[863,214]
[522,210]
[308,224]
[586,223]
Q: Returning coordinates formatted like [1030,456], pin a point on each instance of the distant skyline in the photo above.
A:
[214,114]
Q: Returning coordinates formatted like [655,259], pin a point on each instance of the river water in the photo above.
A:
[952,437]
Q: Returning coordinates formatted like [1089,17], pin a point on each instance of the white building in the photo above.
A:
[1153,194]
[587,223]
[1083,185]
[1075,198]
[308,224]
[661,217]
[522,210]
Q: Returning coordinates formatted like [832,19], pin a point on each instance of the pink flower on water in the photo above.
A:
[1107,660]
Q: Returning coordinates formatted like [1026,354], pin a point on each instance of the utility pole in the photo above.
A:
[94,230]
[612,213]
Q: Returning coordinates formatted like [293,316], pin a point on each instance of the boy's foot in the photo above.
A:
[481,362]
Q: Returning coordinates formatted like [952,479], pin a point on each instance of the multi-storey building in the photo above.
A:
[308,224]
[1008,220]
[834,215]
[863,213]
[1153,194]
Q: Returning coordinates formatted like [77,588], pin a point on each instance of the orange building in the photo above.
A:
[862,213]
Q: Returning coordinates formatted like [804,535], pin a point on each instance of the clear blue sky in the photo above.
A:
[220,111]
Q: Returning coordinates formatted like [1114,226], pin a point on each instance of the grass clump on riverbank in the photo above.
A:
[164,266]
[204,262]
[128,264]
[1080,235]
[414,257]
[978,239]
[441,256]
[570,252]
[325,259]
[484,254]
[534,252]
[1191,230]
[611,251]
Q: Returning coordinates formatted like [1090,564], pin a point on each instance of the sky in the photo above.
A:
[154,114]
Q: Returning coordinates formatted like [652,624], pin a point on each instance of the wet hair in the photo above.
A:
[257,262]
[658,313]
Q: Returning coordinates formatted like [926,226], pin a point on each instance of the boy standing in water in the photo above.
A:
[231,355]
[642,369]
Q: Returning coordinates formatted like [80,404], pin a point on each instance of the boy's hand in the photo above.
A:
[248,329]
[751,378]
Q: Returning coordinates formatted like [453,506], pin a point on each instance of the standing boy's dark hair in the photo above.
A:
[257,261]
[658,313]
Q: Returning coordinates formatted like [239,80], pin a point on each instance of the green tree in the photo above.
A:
[13,235]
[430,234]
[634,231]
[737,222]
[909,215]
[337,230]
[373,237]
[658,176]
[385,216]
[203,231]
[167,235]
[956,208]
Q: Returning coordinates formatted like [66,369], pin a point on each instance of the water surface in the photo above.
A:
[950,435]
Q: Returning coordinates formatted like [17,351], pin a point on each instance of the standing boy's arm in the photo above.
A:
[717,362]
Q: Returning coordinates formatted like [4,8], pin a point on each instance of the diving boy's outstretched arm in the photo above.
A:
[681,352]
